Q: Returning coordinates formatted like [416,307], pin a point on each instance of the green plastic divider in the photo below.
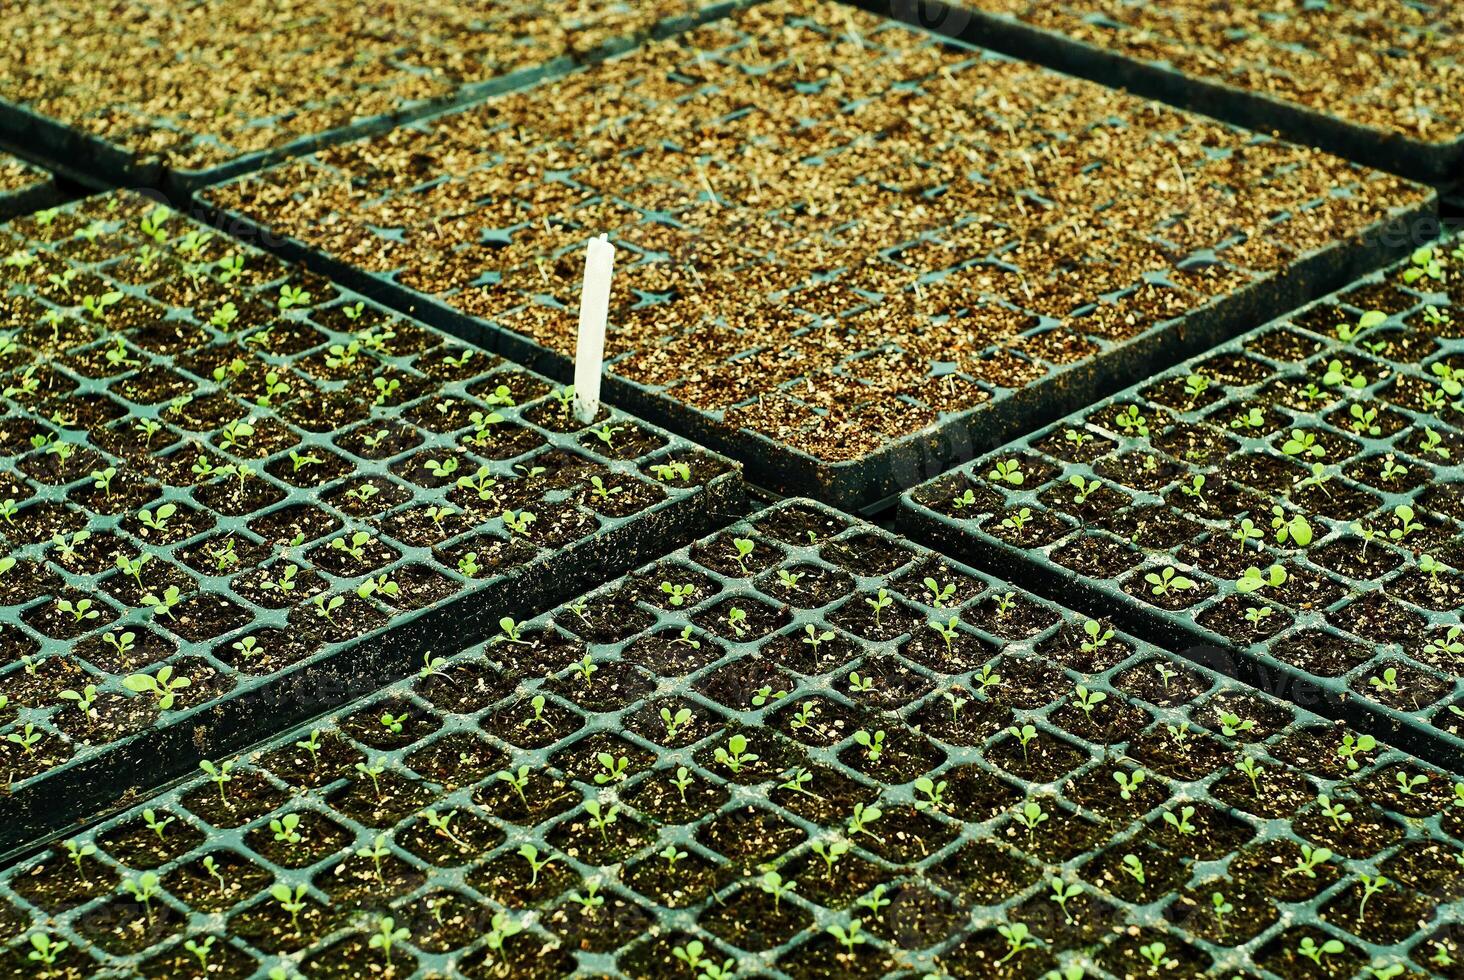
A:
[1327,443]
[852,256]
[220,470]
[648,784]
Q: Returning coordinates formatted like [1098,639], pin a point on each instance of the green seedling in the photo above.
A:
[163,686]
[286,829]
[144,888]
[1309,948]
[735,755]
[530,853]
[1310,860]
[849,937]
[1128,784]
[934,793]
[741,549]
[376,853]
[871,743]
[1181,824]
[292,902]
[675,723]
[773,884]
[1031,816]
[1062,893]
[1018,939]
[1168,580]
[387,936]
[1024,735]
[220,774]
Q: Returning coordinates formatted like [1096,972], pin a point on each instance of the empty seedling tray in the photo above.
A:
[24,188]
[235,496]
[1311,72]
[760,757]
[851,255]
[1326,445]
[213,91]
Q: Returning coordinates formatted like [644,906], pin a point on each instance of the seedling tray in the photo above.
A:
[319,492]
[1364,81]
[831,267]
[1340,439]
[414,808]
[251,88]
[24,188]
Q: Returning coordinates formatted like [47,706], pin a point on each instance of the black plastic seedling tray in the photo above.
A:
[320,493]
[873,409]
[644,785]
[24,188]
[1439,161]
[72,150]
[1290,421]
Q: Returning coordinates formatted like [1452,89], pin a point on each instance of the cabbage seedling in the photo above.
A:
[375,854]
[1181,824]
[164,686]
[678,594]
[1018,939]
[675,723]
[387,936]
[741,549]
[530,853]
[850,937]
[219,774]
[1062,893]
[286,829]
[879,603]
[1311,858]
[1024,736]
[144,889]
[1031,816]
[735,755]
[873,744]
[1353,746]
[518,780]
[441,824]
[1168,580]
[1371,885]
[292,902]
[1313,952]
[1128,784]
[773,884]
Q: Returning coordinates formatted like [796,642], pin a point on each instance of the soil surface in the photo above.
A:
[218,466]
[1189,496]
[16,175]
[873,231]
[635,777]
[246,79]
[1382,65]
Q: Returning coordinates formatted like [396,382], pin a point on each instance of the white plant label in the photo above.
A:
[589,355]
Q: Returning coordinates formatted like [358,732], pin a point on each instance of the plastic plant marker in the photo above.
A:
[1304,480]
[481,842]
[847,300]
[271,87]
[589,356]
[235,495]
